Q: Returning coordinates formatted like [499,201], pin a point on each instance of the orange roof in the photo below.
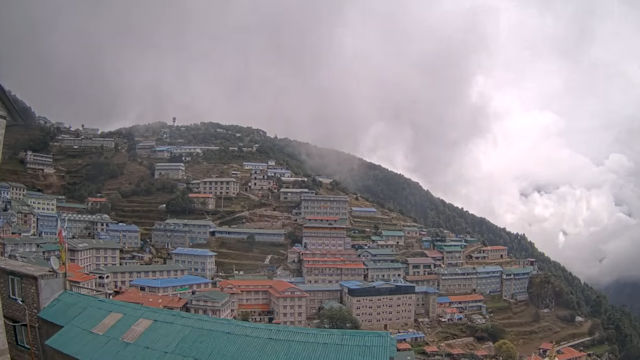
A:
[495,247]
[481,352]
[569,353]
[93,199]
[470,297]
[430,349]
[325,259]
[76,273]
[451,310]
[402,346]
[262,307]
[252,285]
[546,346]
[433,253]
[135,296]
[455,351]
[339,266]
[322,218]
[204,196]
[534,357]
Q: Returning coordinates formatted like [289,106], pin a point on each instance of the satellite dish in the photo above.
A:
[55,263]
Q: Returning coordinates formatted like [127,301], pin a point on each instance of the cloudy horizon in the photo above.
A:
[523,113]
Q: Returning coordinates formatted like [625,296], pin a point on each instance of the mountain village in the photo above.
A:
[260,254]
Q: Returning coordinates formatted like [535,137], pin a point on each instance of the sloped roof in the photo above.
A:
[180,335]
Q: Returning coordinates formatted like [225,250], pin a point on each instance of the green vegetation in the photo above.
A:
[505,350]
[89,180]
[337,317]
[181,204]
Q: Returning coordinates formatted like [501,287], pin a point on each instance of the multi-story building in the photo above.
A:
[279,173]
[330,236]
[92,254]
[203,201]
[16,191]
[10,246]
[224,187]
[411,232]
[420,266]
[489,280]
[463,280]
[262,235]
[324,206]
[436,255]
[174,233]
[319,294]
[171,286]
[294,195]
[40,203]
[395,237]
[430,280]
[120,277]
[47,224]
[127,235]
[331,270]
[213,303]
[5,191]
[200,262]
[377,255]
[259,181]
[84,225]
[174,171]
[491,253]
[79,280]
[380,305]
[296,254]
[452,254]
[469,303]
[144,148]
[37,161]
[98,204]
[25,289]
[515,282]
[3,124]
[384,271]
[426,302]
[268,301]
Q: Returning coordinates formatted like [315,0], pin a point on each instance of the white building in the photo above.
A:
[200,262]
[39,161]
[325,205]
[170,171]
[294,195]
[41,203]
[217,186]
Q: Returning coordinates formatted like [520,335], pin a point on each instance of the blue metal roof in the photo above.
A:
[364,209]
[443,299]
[489,268]
[191,251]
[179,281]
[120,227]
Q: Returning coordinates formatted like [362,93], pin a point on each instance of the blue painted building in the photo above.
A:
[171,286]
[127,235]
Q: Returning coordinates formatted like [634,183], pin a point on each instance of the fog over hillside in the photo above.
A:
[524,113]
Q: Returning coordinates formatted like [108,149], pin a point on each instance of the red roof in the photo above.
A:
[200,196]
[277,286]
[455,351]
[451,310]
[546,346]
[403,346]
[324,259]
[135,296]
[433,253]
[495,247]
[93,199]
[339,266]
[569,353]
[481,352]
[430,349]
[76,273]
[261,307]
[470,297]
[534,357]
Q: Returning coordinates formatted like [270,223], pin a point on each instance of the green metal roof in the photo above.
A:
[213,295]
[180,335]
[392,233]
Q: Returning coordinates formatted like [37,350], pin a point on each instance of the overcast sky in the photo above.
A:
[526,113]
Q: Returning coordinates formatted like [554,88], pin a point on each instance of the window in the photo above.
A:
[15,288]
[21,335]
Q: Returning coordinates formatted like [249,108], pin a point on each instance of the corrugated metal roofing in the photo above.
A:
[190,251]
[177,281]
[179,335]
